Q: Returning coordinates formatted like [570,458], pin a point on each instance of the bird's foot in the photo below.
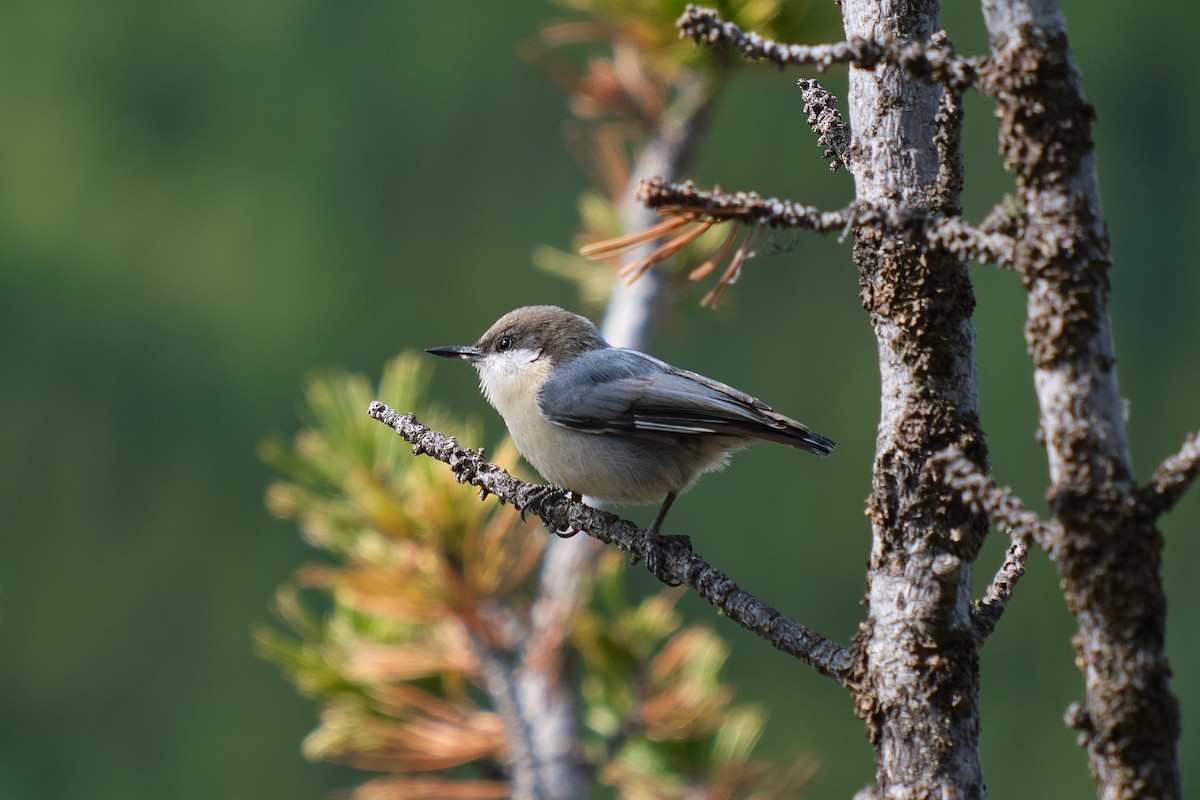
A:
[536,502]
[654,547]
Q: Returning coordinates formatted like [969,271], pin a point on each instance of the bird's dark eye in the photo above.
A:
[504,343]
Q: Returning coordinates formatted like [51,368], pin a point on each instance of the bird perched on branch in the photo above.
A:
[611,423]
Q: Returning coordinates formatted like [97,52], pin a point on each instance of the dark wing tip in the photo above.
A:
[816,443]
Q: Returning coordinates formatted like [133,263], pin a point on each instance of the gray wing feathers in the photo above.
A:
[627,392]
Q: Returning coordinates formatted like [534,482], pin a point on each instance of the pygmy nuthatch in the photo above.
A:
[611,423]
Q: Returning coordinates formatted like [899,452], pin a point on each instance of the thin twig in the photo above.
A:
[1172,478]
[1006,512]
[668,559]
[932,62]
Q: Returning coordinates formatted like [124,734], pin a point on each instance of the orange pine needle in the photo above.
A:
[703,269]
[610,247]
[732,272]
[639,268]
[557,33]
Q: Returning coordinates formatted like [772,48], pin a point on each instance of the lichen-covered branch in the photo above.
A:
[947,233]
[930,62]
[670,560]
[833,134]
[955,235]
[1172,478]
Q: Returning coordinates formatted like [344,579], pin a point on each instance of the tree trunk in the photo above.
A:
[918,686]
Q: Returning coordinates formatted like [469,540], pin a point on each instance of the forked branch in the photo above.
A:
[1005,511]
[999,504]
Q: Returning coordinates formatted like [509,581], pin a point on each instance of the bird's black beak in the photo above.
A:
[466,353]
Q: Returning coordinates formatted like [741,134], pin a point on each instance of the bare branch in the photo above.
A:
[746,207]
[1172,478]
[947,233]
[669,559]
[931,63]
[1108,556]
[825,119]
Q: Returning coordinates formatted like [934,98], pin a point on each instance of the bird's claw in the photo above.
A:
[653,547]
[537,500]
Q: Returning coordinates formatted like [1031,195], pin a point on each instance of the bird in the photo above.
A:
[612,423]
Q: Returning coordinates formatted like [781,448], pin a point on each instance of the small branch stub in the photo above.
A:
[833,134]
[986,611]
[1172,478]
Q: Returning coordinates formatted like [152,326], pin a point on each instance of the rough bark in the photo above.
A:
[917,688]
[1107,551]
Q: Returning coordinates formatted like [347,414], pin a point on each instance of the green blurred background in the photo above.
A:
[201,203]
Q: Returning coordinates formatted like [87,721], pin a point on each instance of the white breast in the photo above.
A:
[606,467]
[577,461]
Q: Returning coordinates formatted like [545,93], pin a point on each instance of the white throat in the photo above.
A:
[510,382]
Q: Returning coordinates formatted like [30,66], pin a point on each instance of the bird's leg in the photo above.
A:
[652,534]
[655,541]
[662,514]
